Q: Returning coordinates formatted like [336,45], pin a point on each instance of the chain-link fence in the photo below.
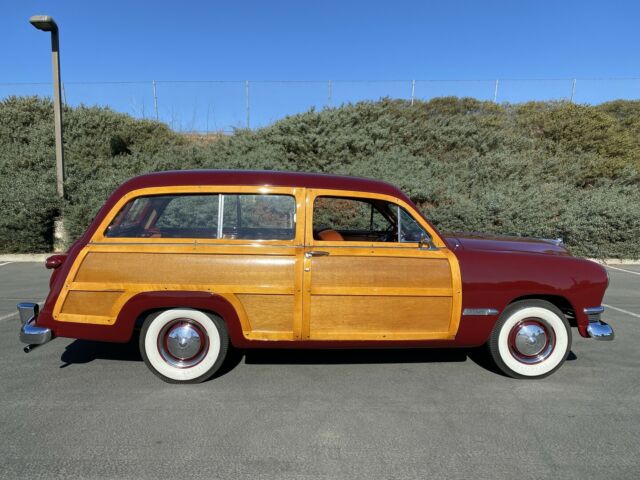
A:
[222,106]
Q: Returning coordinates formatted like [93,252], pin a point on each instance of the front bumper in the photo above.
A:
[597,329]
[30,333]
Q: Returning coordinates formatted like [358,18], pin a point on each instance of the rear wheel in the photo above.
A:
[532,339]
[183,345]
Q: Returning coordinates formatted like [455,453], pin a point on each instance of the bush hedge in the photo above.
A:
[547,169]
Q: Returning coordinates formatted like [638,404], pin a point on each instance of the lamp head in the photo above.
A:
[44,23]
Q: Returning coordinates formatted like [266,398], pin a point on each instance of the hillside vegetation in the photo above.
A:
[541,169]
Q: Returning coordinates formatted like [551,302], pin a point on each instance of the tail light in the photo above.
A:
[54,261]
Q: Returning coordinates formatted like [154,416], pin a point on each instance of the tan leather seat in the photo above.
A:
[329,235]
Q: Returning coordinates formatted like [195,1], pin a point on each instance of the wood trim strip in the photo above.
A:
[158,287]
[383,291]
[383,336]
[297,193]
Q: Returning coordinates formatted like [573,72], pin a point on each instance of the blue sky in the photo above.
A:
[338,40]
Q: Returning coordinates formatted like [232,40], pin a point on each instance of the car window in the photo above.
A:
[232,216]
[258,216]
[353,219]
[347,214]
[357,219]
[408,229]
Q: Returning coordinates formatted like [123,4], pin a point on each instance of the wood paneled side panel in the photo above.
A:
[370,271]
[269,313]
[189,269]
[333,316]
[90,303]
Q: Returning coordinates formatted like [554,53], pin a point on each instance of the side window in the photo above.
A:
[258,217]
[168,216]
[354,219]
[347,214]
[408,229]
[193,212]
[234,216]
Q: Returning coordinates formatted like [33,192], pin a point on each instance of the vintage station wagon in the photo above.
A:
[202,261]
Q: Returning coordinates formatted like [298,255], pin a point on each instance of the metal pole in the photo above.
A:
[330,93]
[155,99]
[248,105]
[573,90]
[64,94]
[57,111]
[495,91]
[413,91]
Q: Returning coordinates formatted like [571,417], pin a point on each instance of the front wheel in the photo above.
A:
[183,345]
[532,339]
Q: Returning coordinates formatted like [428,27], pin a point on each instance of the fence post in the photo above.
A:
[573,90]
[330,93]
[248,105]
[495,91]
[413,91]
[155,99]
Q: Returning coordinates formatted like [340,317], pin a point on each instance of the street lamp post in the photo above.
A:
[48,24]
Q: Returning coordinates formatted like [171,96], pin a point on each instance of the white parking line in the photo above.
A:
[8,316]
[5,263]
[623,270]
[621,310]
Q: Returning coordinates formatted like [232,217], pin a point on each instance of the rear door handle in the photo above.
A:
[316,253]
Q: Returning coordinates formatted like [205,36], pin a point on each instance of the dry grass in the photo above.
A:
[199,138]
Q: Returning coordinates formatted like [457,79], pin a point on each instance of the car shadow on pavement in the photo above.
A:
[84,351]
[354,356]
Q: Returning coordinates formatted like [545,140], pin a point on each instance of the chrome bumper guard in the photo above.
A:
[30,333]
[597,329]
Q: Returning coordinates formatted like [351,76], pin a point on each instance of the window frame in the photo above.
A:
[312,194]
[296,193]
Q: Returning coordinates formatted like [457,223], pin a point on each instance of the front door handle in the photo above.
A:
[316,253]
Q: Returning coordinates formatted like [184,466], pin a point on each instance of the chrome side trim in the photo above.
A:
[480,311]
[600,331]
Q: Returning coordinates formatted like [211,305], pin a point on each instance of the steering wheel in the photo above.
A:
[389,235]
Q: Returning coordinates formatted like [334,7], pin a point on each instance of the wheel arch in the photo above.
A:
[141,305]
[562,303]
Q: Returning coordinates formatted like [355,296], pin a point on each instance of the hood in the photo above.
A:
[489,242]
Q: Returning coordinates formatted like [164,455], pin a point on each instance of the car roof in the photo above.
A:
[261,178]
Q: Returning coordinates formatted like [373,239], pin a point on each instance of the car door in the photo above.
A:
[377,279]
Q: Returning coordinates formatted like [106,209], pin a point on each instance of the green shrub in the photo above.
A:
[544,169]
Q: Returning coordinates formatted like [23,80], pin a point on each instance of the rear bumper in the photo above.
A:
[597,329]
[30,333]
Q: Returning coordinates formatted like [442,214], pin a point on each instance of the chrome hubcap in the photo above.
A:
[531,341]
[183,343]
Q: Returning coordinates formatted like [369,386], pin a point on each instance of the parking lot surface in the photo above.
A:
[85,409]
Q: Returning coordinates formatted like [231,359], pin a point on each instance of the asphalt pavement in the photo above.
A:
[77,409]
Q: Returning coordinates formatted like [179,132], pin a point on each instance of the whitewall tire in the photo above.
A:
[531,339]
[183,345]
